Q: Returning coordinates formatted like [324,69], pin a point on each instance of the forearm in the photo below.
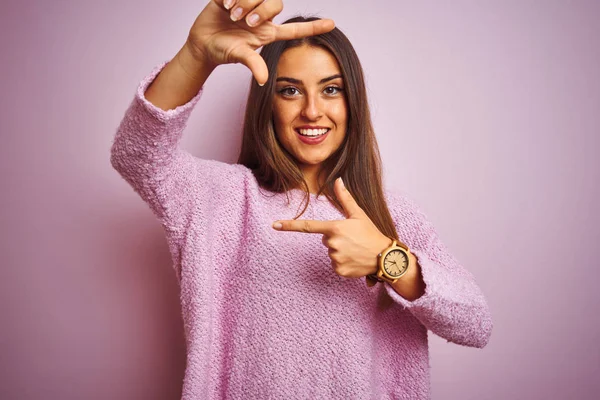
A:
[146,153]
[180,80]
[452,306]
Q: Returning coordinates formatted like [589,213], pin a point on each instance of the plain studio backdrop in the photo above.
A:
[487,114]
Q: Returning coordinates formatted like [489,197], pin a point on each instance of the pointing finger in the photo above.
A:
[306,226]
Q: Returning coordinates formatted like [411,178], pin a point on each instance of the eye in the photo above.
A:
[288,91]
[333,90]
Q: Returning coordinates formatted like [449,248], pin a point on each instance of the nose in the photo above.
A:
[312,108]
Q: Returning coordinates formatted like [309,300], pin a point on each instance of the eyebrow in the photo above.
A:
[298,81]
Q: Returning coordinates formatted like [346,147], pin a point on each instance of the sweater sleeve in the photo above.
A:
[179,188]
[453,306]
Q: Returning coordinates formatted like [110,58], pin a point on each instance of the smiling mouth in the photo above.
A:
[312,133]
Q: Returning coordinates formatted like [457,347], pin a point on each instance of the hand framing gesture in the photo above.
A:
[230,31]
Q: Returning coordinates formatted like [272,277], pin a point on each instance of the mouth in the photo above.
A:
[312,136]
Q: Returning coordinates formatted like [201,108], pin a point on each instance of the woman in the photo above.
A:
[336,301]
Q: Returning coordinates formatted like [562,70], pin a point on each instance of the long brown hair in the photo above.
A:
[357,160]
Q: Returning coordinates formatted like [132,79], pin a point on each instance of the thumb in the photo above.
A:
[350,205]
[254,62]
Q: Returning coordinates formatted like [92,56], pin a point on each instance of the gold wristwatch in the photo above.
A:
[392,262]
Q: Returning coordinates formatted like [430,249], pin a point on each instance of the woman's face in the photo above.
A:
[309,105]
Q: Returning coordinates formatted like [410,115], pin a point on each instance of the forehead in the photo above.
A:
[307,63]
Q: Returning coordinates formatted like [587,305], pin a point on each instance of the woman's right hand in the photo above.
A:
[222,35]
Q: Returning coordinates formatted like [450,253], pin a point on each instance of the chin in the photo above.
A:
[310,163]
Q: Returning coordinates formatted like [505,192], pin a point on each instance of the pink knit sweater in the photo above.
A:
[265,316]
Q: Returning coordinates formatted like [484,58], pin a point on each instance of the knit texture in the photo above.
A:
[265,315]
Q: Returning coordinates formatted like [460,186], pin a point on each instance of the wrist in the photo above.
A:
[411,286]
[194,61]
[406,275]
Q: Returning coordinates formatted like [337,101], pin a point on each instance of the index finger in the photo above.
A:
[306,226]
[297,30]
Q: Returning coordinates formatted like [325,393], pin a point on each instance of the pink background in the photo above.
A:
[487,113]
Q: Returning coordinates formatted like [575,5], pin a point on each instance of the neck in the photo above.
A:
[311,173]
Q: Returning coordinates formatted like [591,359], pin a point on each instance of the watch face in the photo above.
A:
[395,263]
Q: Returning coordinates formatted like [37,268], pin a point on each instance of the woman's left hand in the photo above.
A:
[353,243]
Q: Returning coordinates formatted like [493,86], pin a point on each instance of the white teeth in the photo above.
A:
[312,132]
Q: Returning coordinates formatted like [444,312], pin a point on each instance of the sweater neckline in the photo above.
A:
[313,196]
[297,195]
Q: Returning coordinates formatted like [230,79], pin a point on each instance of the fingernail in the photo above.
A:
[277,225]
[253,19]
[342,182]
[235,15]
[228,4]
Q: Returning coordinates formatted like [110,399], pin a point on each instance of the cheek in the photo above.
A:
[277,120]
[283,113]
[339,114]
[281,122]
